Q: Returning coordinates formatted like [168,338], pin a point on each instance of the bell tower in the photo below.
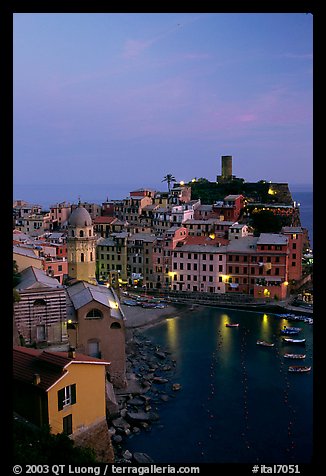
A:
[81,246]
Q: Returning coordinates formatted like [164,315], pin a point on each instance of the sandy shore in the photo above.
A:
[138,317]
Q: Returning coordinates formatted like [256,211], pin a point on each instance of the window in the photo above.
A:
[115,325]
[82,257]
[188,266]
[94,314]
[294,246]
[204,267]
[67,424]
[81,233]
[60,267]
[220,280]
[195,266]
[220,268]
[66,396]
[181,265]
[204,256]
[211,257]
[294,256]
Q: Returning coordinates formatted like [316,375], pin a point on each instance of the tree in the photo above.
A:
[266,222]
[169,178]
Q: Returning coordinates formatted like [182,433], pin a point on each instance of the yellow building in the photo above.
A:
[61,389]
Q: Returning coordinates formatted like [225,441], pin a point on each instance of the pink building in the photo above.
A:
[198,268]
[56,268]
[59,214]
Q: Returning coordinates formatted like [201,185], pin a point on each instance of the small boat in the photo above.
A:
[294,341]
[295,356]
[289,332]
[292,329]
[299,368]
[232,325]
[264,343]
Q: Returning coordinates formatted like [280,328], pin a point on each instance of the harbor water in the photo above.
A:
[238,403]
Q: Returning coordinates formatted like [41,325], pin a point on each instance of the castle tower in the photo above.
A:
[81,246]
[226,167]
[226,162]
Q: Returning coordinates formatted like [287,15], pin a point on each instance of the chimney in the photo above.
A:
[71,353]
[36,379]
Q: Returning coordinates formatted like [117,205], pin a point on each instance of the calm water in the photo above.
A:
[238,402]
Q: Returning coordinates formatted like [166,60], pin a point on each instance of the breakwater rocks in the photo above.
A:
[150,376]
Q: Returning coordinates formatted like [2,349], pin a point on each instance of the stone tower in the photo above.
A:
[226,162]
[81,246]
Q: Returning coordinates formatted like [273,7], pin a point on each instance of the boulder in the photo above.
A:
[142,458]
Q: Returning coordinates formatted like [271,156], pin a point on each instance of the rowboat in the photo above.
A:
[295,356]
[294,341]
[265,344]
[299,368]
[232,325]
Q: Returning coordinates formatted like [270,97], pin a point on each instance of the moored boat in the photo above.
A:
[295,356]
[292,329]
[265,344]
[294,341]
[299,368]
[232,325]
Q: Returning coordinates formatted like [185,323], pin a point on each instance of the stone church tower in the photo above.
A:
[81,246]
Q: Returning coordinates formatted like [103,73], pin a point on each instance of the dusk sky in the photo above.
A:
[114,98]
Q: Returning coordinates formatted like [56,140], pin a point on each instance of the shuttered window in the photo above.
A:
[66,396]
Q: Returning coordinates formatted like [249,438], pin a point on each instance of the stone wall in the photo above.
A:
[98,438]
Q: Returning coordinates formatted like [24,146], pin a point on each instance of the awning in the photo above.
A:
[270,278]
[234,285]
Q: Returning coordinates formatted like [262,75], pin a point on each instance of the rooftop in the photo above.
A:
[50,366]
[32,277]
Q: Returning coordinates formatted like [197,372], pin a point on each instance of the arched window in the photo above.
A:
[82,257]
[90,232]
[81,233]
[91,256]
[72,233]
[115,325]
[94,314]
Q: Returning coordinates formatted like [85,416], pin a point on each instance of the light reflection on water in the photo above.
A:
[226,377]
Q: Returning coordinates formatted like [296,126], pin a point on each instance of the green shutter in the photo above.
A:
[73,394]
[61,396]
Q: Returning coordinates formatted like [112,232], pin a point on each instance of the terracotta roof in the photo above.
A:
[50,366]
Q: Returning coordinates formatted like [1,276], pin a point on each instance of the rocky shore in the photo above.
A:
[150,382]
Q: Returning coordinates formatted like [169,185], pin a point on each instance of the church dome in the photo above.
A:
[80,217]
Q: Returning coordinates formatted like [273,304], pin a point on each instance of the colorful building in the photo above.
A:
[64,390]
